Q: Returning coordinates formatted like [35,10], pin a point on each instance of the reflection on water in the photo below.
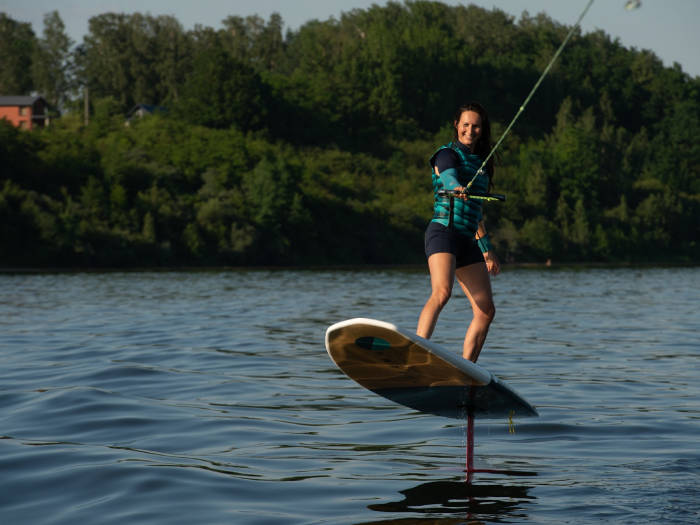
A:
[488,501]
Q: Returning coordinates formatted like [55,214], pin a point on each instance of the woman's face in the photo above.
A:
[469,128]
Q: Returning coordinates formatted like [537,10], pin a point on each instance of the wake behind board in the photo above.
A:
[419,374]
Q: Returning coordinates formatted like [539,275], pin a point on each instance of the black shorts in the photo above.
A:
[441,239]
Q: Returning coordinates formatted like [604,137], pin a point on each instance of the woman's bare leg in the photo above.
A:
[442,275]
[474,280]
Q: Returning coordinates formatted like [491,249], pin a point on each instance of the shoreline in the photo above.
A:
[338,267]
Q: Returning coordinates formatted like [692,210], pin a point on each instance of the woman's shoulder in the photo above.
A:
[445,158]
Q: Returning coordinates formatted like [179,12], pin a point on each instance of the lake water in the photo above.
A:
[208,397]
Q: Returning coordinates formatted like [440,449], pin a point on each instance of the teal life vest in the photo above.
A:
[463,215]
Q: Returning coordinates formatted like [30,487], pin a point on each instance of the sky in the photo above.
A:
[669,28]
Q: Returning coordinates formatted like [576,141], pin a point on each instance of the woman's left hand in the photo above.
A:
[493,266]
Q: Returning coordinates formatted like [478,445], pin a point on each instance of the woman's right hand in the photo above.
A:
[462,192]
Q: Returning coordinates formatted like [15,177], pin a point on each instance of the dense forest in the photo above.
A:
[311,146]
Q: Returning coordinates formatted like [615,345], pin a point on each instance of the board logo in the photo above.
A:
[372,343]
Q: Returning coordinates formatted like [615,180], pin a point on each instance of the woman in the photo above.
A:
[456,242]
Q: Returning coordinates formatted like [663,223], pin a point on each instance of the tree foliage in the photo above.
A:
[17,42]
[52,62]
[311,147]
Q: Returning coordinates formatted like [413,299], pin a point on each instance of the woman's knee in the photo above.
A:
[441,295]
[486,312]
[491,312]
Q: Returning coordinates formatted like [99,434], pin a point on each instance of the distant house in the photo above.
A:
[141,110]
[25,112]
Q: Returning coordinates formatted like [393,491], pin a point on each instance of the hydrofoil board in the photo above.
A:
[418,373]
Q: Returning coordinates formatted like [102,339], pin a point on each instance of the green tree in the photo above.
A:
[52,67]
[312,147]
[17,43]
[223,92]
[133,58]
[255,42]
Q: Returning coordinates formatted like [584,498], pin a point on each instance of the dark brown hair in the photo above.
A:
[483,145]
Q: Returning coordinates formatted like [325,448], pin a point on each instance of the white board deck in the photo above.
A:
[418,373]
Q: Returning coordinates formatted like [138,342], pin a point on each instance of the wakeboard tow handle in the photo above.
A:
[472,195]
